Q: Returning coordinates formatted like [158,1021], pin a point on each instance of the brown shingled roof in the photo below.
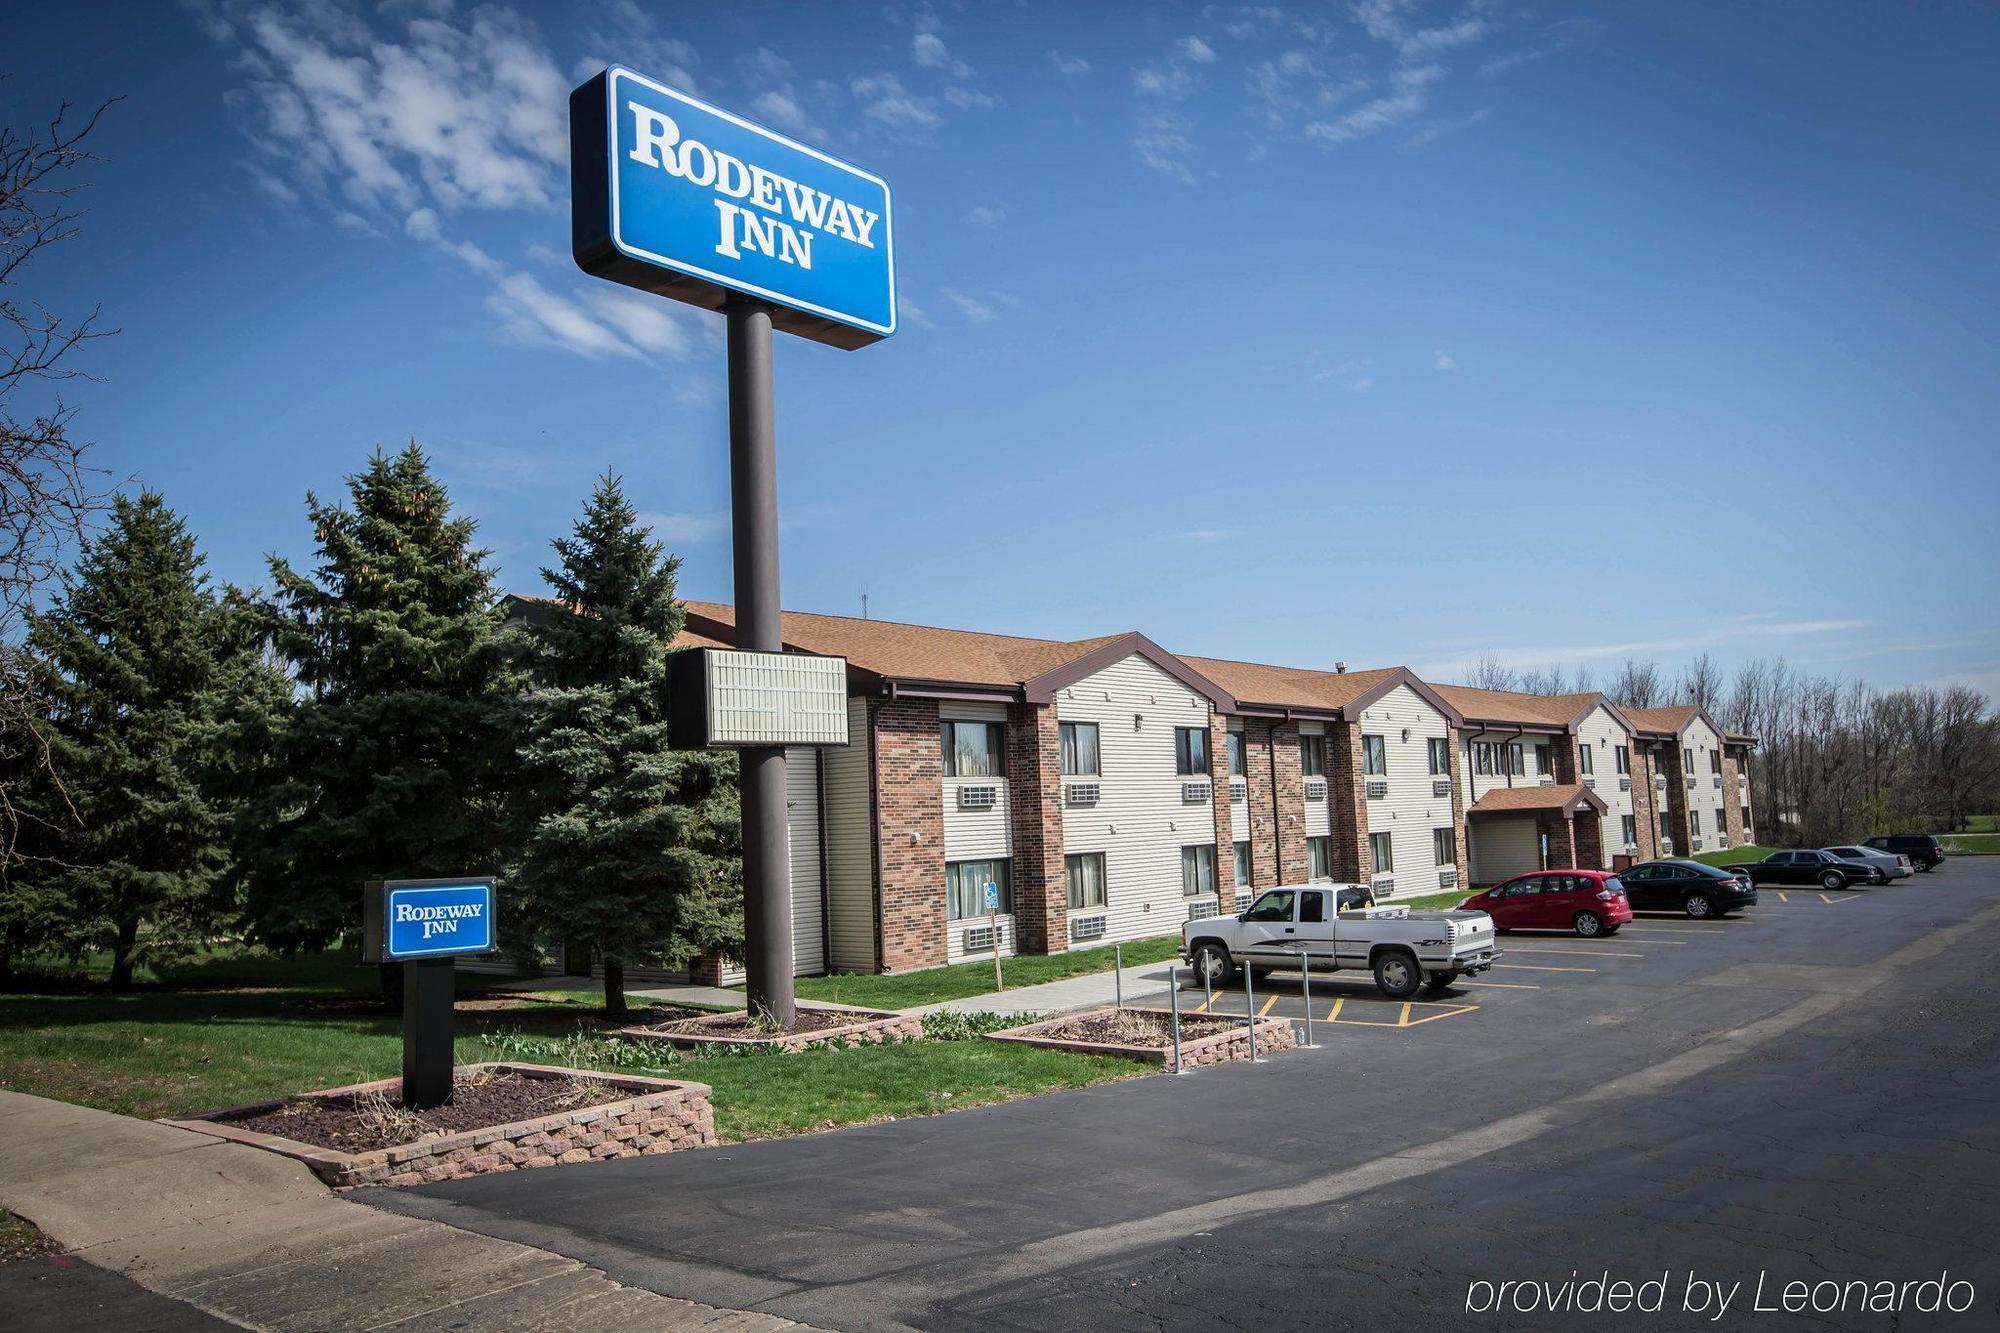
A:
[1289,687]
[1562,797]
[1535,710]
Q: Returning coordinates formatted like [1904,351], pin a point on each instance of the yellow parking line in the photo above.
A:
[1403,1019]
[1783,897]
[1537,967]
[1203,1005]
[1267,1006]
[1501,985]
[1848,899]
[1601,953]
[1443,1012]
[1333,1015]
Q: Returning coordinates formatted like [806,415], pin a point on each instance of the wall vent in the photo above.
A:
[1086,928]
[979,797]
[1080,793]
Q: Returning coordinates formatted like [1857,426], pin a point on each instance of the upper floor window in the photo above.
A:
[1085,877]
[1191,751]
[1623,754]
[1079,749]
[1516,759]
[1545,763]
[974,749]
[1440,755]
[1198,870]
[1694,822]
[1382,851]
[1715,761]
[1585,761]
[1319,858]
[1687,759]
[1236,754]
[1374,756]
[1312,756]
[1243,865]
[1482,757]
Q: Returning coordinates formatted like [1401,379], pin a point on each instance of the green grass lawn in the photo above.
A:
[906,990]
[250,1028]
[1970,844]
[1730,856]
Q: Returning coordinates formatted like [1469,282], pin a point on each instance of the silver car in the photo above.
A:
[1884,866]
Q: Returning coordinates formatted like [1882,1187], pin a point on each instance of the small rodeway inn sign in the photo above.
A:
[674,196]
[407,919]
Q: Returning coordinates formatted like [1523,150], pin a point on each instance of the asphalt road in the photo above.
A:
[1808,1093]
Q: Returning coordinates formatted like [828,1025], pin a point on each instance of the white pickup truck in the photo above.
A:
[1404,949]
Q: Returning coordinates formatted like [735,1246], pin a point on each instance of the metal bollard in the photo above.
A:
[1174,1005]
[1306,980]
[1250,1007]
[1118,975]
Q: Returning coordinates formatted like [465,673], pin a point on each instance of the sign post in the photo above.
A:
[993,930]
[426,925]
[683,199]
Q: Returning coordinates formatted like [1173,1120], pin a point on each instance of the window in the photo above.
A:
[974,750]
[1746,822]
[1545,763]
[1715,761]
[1319,858]
[1273,906]
[1440,755]
[1312,909]
[1623,755]
[1374,756]
[1444,846]
[1085,874]
[1079,749]
[1585,763]
[965,888]
[1517,760]
[1242,865]
[1383,852]
[1236,756]
[1191,751]
[1525,888]
[1198,870]
[1687,759]
[1694,823]
[1628,829]
[1482,758]
[1312,756]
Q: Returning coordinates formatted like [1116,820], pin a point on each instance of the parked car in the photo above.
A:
[1698,889]
[1821,868]
[1925,851]
[1404,949]
[1885,866]
[1589,902]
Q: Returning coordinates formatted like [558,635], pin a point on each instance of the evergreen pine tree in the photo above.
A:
[629,847]
[390,761]
[135,662]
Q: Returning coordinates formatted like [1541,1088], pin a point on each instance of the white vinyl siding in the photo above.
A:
[973,833]
[1140,821]
[1409,811]
[850,851]
[1712,801]
[1318,814]
[802,829]
[1600,733]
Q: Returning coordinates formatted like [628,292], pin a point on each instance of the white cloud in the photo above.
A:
[979,312]
[1733,631]
[930,52]
[1362,385]
[1164,144]
[887,101]
[1409,98]
[987,215]
[706,525]
[1067,65]
[1196,50]
[1446,361]
[912,313]
[1206,536]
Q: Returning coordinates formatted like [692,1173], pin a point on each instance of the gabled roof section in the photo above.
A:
[1511,708]
[1042,688]
[1256,686]
[529,609]
[1674,721]
[1563,798]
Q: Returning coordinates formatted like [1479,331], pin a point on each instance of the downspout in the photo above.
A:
[825,884]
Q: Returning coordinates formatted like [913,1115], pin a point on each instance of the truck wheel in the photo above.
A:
[1397,974]
[1212,966]
[1589,925]
[1698,906]
[1833,879]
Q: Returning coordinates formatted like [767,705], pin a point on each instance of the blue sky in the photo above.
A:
[1372,332]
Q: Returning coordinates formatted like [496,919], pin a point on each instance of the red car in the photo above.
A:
[1589,902]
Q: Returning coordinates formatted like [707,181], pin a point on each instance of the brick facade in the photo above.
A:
[1671,764]
[1347,785]
[1219,804]
[1644,799]
[1454,739]
[908,792]
[1290,823]
[1034,794]
[1257,758]
[1736,796]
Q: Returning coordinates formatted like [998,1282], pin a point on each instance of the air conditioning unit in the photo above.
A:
[1441,786]
[1546,782]
[1590,783]
[1383,885]
[1660,783]
[1198,908]
[1080,793]
[1377,789]
[1722,841]
[981,797]
[1697,844]
[1742,781]
[1315,789]
[1631,849]
[1239,790]
[1624,784]
[1086,928]
[1447,877]
[979,939]
[1691,781]
[1195,792]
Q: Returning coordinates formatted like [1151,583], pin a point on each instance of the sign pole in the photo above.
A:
[429,987]
[753,491]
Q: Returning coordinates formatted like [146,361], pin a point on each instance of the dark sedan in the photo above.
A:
[1821,868]
[1686,886]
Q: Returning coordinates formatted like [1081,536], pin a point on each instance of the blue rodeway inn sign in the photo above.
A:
[677,197]
[434,918]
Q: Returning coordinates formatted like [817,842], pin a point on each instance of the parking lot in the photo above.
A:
[1805,1091]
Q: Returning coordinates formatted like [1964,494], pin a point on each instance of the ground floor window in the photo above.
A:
[1629,830]
[1319,858]
[1694,823]
[1085,873]
[1198,870]
[1444,846]
[1243,865]
[965,888]
[1746,821]
[1383,852]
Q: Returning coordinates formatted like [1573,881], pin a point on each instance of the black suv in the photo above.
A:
[1925,852]
[1686,886]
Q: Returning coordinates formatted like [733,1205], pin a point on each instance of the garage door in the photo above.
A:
[1503,848]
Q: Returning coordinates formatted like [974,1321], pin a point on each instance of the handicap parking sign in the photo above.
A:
[992,896]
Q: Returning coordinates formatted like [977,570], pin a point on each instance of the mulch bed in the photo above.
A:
[1136,1027]
[21,1240]
[804,1022]
[824,1024]
[352,1125]
[1147,1034]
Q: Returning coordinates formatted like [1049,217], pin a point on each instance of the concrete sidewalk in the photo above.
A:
[254,1239]
[1144,983]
